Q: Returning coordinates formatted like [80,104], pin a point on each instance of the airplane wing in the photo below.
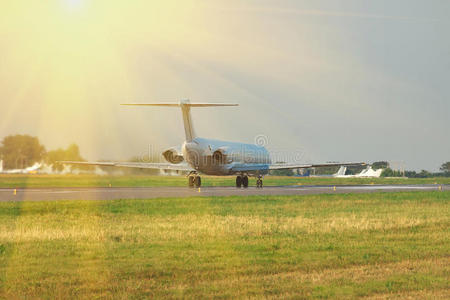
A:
[267,167]
[157,166]
[306,166]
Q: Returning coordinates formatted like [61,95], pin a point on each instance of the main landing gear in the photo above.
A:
[194,180]
[242,180]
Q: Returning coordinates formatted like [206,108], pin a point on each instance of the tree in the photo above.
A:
[424,174]
[388,172]
[21,151]
[445,167]
[72,153]
[380,165]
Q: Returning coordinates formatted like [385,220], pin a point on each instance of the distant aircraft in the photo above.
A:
[30,170]
[212,157]
[339,173]
[368,172]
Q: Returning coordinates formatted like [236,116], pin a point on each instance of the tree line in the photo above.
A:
[444,172]
[21,151]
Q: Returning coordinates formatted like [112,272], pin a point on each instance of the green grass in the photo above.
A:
[314,246]
[21,181]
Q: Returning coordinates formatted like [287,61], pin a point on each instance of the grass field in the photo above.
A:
[21,181]
[315,246]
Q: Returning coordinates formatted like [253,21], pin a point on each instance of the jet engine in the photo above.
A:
[173,156]
[219,156]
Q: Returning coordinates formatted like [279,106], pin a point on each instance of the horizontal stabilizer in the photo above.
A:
[180,104]
[185,106]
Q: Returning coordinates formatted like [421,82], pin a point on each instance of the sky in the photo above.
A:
[321,80]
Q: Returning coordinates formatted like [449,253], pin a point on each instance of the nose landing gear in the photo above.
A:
[194,180]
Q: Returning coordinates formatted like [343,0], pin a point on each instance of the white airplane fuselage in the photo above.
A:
[30,170]
[214,157]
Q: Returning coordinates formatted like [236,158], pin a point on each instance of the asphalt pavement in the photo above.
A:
[110,193]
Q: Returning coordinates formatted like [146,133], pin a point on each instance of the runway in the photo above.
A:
[52,194]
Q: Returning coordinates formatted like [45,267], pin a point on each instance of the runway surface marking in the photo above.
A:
[107,193]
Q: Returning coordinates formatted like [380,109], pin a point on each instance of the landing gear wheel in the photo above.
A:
[238,181]
[259,183]
[197,181]
[191,181]
[245,181]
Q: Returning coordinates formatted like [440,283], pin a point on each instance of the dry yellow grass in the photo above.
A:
[145,228]
[323,246]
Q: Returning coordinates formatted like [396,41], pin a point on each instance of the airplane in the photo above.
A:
[30,170]
[366,173]
[212,157]
[369,172]
[340,173]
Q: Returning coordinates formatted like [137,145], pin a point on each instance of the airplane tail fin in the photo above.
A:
[341,171]
[186,110]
